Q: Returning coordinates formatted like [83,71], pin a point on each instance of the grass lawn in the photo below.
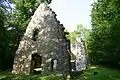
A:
[93,73]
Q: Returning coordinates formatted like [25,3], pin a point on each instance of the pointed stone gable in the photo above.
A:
[44,47]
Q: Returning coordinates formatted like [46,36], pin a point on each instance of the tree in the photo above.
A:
[2,32]
[80,32]
[5,5]
[5,8]
[104,42]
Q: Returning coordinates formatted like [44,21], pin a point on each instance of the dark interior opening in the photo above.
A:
[53,64]
[35,34]
[36,64]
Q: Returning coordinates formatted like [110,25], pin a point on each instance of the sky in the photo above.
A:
[73,12]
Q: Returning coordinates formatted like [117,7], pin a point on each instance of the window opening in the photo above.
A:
[35,34]
[53,64]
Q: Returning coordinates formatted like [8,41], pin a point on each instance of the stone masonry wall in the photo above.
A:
[50,43]
[79,50]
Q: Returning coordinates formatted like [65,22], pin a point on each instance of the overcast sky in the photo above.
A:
[73,12]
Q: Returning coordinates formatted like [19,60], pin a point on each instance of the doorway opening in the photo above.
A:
[36,64]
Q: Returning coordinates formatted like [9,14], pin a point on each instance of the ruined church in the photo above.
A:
[44,47]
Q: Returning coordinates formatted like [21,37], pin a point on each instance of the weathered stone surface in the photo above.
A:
[45,38]
[79,50]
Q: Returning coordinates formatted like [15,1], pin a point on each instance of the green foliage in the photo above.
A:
[5,57]
[9,76]
[5,4]
[73,36]
[2,38]
[105,40]
[100,73]
[80,32]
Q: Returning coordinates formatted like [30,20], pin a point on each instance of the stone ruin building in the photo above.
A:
[44,47]
[78,49]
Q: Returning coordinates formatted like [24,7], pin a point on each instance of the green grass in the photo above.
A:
[100,73]
[9,76]
[93,73]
